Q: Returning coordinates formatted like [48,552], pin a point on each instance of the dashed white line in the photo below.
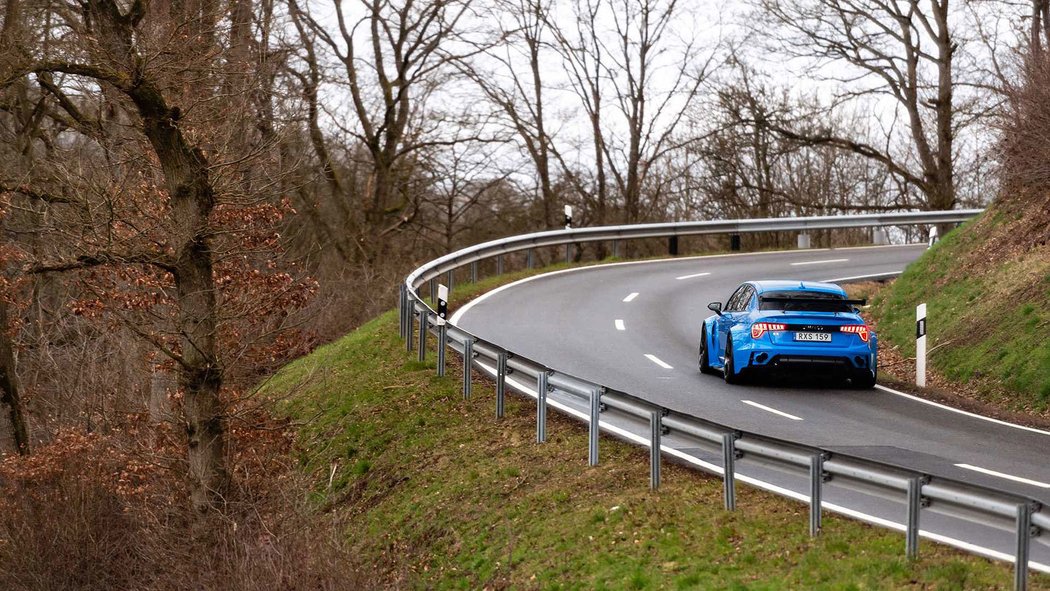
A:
[657,361]
[631,297]
[692,276]
[619,324]
[772,410]
[819,262]
[1001,475]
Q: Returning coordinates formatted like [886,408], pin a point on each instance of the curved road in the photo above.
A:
[635,327]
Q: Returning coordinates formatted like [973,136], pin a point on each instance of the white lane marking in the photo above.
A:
[619,324]
[819,262]
[631,296]
[692,276]
[772,410]
[1001,475]
[869,276]
[960,411]
[657,361]
[785,492]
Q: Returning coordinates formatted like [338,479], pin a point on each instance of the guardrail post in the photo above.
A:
[616,249]
[880,237]
[410,320]
[424,322]
[442,343]
[656,429]
[528,259]
[1024,533]
[448,280]
[816,486]
[541,406]
[911,532]
[592,434]
[734,242]
[468,361]
[402,307]
[672,245]
[729,470]
[499,264]
[501,382]
[568,253]
[433,290]
[474,272]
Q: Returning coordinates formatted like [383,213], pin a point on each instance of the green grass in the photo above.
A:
[435,493]
[990,326]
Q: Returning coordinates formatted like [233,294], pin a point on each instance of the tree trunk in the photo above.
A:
[9,393]
[200,376]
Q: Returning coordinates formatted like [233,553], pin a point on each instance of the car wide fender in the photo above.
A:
[740,333]
[707,328]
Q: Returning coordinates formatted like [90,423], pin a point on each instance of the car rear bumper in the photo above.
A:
[842,361]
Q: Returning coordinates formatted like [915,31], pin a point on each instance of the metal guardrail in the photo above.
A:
[1021,514]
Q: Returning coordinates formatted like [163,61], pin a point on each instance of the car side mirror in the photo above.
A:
[715,307]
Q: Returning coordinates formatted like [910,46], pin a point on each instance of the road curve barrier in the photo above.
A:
[641,421]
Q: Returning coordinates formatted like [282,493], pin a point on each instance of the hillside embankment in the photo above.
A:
[987,290]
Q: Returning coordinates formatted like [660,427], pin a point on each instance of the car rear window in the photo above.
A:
[803,301]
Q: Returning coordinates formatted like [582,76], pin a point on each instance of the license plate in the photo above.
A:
[814,337]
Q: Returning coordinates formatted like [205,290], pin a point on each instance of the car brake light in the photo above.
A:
[860,330]
[760,328]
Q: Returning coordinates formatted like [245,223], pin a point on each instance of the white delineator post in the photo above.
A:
[920,345]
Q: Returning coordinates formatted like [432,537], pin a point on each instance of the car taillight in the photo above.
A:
[760,328]
[860,330]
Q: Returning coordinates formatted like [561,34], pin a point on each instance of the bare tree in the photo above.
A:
[752,171]
[1039,33]
[464,179]
[159,183]
[402,62]
[519,41]
[900,49]
[636,71]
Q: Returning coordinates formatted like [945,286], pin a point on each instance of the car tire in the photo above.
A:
[704,361]
[728,370]
[865,381]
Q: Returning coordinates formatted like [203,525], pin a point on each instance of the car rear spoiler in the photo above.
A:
[782,300]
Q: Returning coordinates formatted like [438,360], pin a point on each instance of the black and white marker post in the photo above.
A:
[442,313]
[568,226]
[920,345]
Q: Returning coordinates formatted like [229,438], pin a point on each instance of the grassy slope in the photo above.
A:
[988,298]
[435,493]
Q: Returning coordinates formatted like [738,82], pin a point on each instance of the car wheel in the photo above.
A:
[728,371]
[705,361]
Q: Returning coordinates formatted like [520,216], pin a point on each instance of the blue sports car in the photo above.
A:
[772,326]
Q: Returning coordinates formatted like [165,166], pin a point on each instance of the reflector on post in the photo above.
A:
[442,294]
[568,217]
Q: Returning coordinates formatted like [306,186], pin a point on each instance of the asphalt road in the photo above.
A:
[635,327]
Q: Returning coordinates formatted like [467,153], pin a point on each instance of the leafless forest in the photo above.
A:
[194,192]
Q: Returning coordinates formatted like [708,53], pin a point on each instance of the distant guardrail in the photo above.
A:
[918,489]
